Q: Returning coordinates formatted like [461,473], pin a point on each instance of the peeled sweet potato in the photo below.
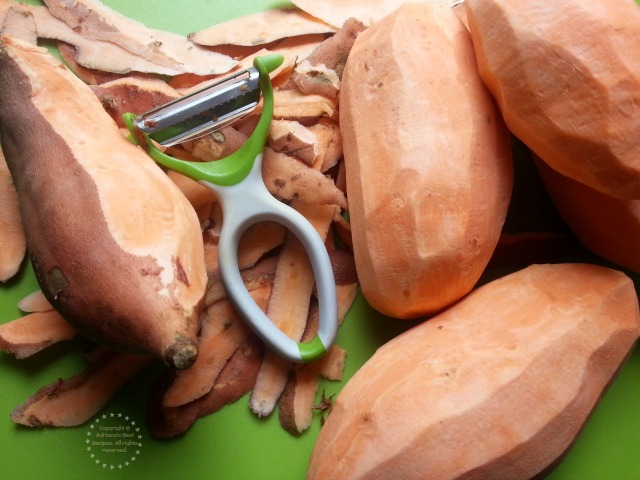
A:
[496,387]
[337,12]
[608,226]
[13,244]
[116,247]
[566,75]
[428,162]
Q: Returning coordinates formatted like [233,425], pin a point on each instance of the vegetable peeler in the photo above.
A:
[245,200]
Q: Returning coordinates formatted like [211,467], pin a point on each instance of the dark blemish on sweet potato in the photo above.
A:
[56,281]
[180,273]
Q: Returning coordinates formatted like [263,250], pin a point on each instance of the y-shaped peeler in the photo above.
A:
[237,182]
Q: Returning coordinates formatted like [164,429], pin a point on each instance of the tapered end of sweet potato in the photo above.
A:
[182,353]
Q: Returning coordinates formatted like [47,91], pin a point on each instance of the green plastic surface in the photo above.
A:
[234,443]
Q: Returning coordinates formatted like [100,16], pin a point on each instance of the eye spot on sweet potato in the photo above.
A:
[365,417]
[279,183]
[56,280]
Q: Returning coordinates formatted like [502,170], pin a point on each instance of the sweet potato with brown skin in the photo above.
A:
[496,387]
[566,75]
[116,247]
[428,162]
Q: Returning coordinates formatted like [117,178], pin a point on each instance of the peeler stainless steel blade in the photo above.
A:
[203,111]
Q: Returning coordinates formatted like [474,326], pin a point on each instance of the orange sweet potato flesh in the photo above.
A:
[337,12]
[519,363]
[34,302]
[567,78]
[117,249]
[428,164]
[31,333]
[13,244]
[608,226]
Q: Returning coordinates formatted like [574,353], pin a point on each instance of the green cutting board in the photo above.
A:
[233,443]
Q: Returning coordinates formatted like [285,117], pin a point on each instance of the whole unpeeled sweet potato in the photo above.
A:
[428,162]
[116,247]
[566,75]
[496,387]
